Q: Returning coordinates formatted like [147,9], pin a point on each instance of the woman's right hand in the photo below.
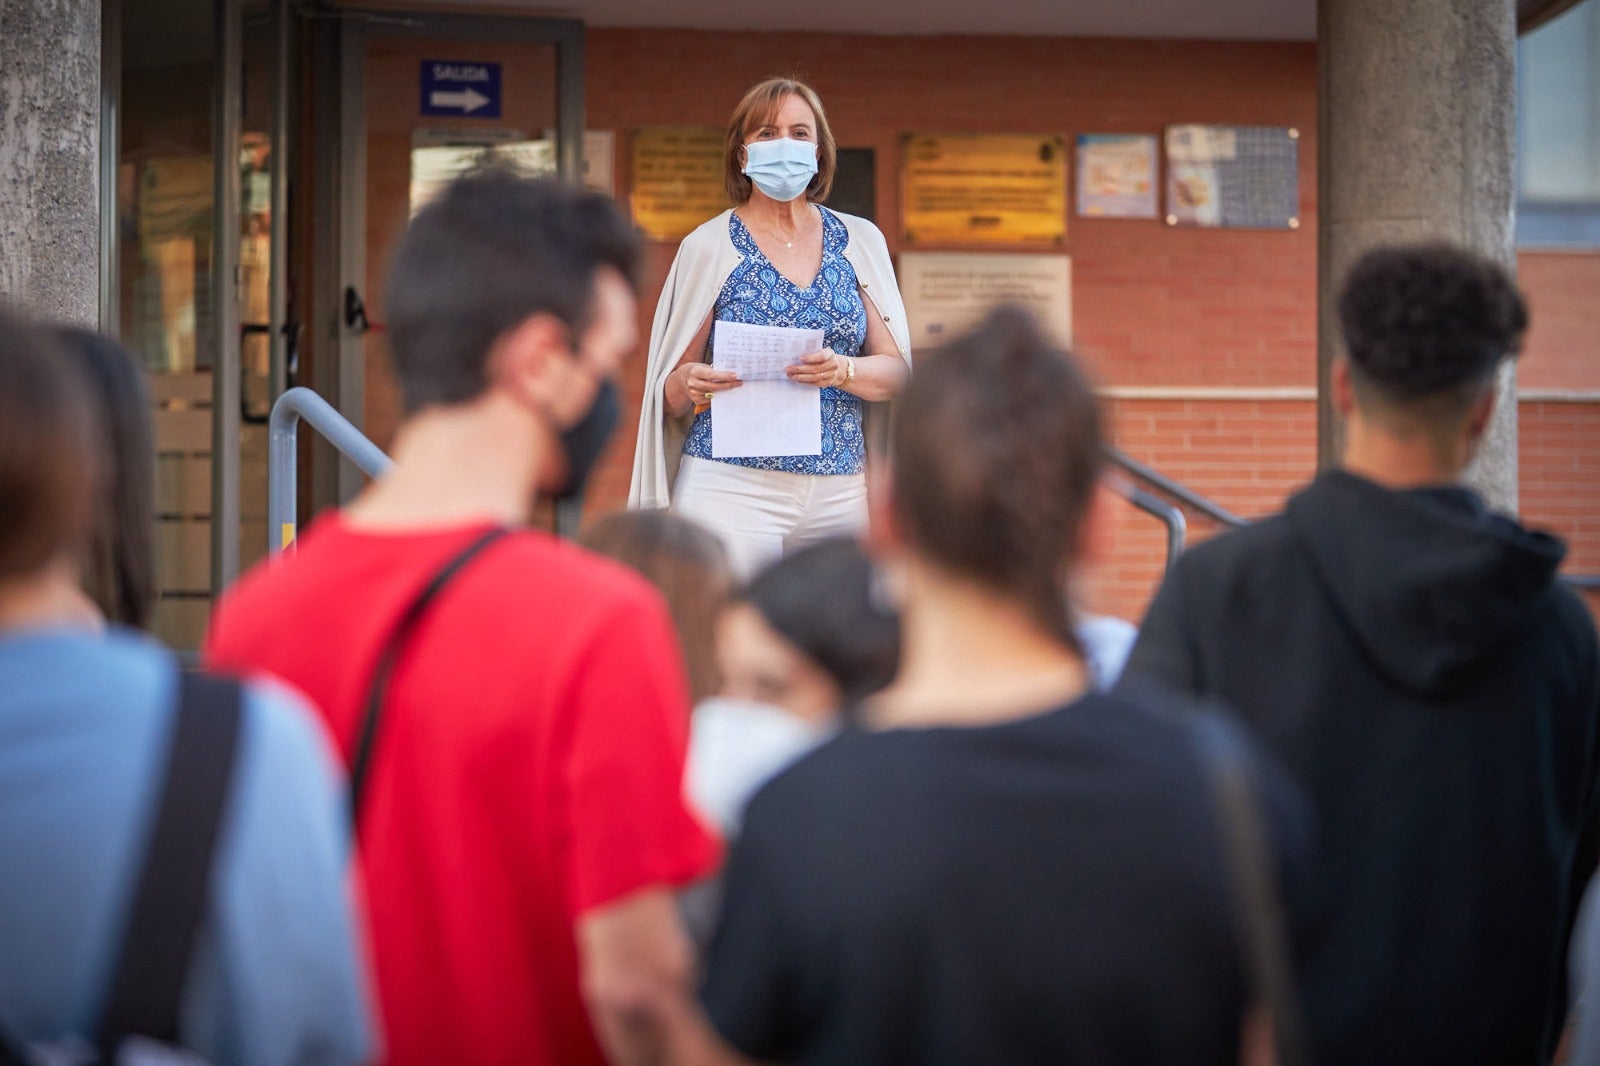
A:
[694,383]
[703,381]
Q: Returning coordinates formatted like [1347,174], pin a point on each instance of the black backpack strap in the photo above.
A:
[174,886]
[1263,929]
[389,654]
[11,1053]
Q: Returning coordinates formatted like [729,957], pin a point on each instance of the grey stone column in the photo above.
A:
[50,157]
[1416,120]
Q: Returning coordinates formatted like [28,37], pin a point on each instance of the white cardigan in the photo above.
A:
[705,259]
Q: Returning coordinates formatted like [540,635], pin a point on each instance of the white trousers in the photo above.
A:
[761,514]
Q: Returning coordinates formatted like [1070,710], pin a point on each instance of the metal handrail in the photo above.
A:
[1215,511]
[283,456]
[302,403]
[1182,493]
[1151,504]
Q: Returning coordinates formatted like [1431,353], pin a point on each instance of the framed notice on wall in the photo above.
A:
[946,292]
[1245,177]
[964,188]
[677,179]
[1117,175]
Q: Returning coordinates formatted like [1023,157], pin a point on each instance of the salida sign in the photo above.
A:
[451,87]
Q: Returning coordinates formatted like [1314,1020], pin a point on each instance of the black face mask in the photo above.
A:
[584,441]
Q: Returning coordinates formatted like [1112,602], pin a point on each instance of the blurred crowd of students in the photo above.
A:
[486,796]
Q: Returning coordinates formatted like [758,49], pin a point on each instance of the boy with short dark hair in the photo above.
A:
[518,780]
[1410,656]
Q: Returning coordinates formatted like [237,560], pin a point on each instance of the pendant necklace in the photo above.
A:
[779,236]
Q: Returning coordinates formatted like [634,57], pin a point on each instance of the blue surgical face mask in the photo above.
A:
[782,168]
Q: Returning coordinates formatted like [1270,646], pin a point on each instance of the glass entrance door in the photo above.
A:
[200,282]
[198,275]
[436,95]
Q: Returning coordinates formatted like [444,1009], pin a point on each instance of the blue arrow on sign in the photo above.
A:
[457,88]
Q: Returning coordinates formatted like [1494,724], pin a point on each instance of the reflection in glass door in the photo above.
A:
[166,216]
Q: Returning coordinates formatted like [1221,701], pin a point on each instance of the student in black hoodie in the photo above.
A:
[1410,656]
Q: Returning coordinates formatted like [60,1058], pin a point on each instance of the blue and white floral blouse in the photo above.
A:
[757,293]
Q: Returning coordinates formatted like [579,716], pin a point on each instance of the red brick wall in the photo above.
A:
[1560,441]
[1152,306]
[1563,346]
[1249,456]
[1560,467]
[1559,438]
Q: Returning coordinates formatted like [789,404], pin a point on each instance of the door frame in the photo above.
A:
[227,379]
[228,399]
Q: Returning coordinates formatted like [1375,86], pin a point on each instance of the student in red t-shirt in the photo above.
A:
[521,823]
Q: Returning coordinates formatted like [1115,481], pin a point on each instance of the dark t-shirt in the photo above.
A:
[1048,890]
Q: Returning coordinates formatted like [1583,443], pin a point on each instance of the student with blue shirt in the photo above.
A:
[88,732]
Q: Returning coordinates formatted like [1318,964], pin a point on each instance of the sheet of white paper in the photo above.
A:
[768,414]
[760,353]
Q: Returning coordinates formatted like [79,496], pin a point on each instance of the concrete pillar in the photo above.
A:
[50,157]
[1417,120]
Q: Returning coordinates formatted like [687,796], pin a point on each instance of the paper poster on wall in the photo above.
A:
[946,292]
[600,161]
[439,155]
[964,188]
[1117,175]
[1244,177]
[677,178]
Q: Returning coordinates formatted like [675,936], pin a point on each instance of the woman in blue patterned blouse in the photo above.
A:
[776,259]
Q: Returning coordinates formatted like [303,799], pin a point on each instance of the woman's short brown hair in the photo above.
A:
[688,564]
[997,451]
[48,451]
[757,108]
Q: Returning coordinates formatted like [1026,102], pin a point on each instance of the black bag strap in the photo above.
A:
[389,654]
[1263,929]
[11,1053]
[174,887]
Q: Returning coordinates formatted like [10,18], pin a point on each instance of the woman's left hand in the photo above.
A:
[821,369]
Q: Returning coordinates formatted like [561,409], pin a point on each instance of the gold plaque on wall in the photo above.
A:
[981,188]
[677,179]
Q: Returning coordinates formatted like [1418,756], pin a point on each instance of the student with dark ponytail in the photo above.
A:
[176,877]
[998,864]
[119,564]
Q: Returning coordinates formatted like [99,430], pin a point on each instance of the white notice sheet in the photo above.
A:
[768,414]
